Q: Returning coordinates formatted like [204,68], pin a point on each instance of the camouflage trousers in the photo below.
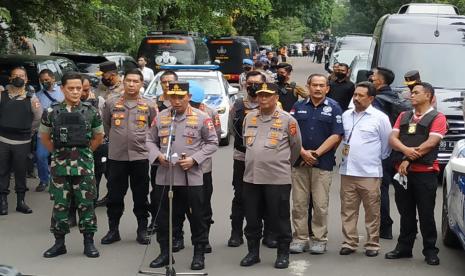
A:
[80,188]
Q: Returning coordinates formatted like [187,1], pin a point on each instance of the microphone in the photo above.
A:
[173,112]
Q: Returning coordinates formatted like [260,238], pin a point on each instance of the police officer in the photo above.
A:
[273,142]
[289,92]
[127,120]
[20,113]
[71,130]
[320,120]
[194,140]
[241,108]
[166,78]
[415,138]
[112,85]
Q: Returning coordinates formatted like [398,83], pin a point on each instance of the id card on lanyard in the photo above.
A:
[346,144]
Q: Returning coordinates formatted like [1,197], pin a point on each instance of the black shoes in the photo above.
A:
[102,202]
[58,248]
[21,205]
[208,248]
[113,234]
[282,260]
[142,236]
[198,261]
[235,240]
[270,242]
[162,259]
[397,254]
[346,251]
[41,187]
[371,253]
[385,232]
[3,205]
[178,244]
[89,247]
[432,259]
[253,256]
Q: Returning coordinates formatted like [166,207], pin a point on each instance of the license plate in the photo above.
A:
[446,145]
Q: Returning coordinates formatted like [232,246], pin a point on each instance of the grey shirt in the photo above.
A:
[273,145]
[127,123]
[194,134]
[207,166]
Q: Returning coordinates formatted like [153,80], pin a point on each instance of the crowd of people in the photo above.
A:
[285,141]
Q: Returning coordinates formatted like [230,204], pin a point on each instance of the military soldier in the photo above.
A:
[273,142]
[71,130]
[195,138]
[289,92]
[111,85]
[127,120]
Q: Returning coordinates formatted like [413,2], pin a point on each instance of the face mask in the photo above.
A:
[46,85]
[17,82]
[280,78]
[252,89]
[107,82]
[340,75]
[247,68]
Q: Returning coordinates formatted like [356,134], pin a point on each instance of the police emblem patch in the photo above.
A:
[292,128]
[327,109]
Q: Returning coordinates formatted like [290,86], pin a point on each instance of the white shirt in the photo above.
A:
[148,74]
[369,142]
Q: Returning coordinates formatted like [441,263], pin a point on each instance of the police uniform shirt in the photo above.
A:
[109,92]
[273,145]
[207,166]
[317,123]
[127,123]
[193,133]
[76,160]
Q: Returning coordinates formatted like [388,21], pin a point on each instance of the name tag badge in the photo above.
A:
[345,149]
[412,128]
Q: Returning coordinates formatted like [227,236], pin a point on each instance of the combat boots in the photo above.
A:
[162,259]
[21,205]
[282,260]
[198,261]
[3,205]
[253,256]
[142,236]
[58,248]
[113,233]
[236,238]
[89,247]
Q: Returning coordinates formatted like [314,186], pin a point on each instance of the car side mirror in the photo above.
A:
[362,75]
[232,91]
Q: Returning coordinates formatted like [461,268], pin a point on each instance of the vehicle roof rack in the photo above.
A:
[189,33]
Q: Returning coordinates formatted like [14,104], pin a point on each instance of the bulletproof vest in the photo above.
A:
[15,117]
[70,128]
[240,111]
[414,136]
[287,96]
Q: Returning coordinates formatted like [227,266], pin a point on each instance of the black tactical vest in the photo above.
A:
[287,96]
[70,128]
[415,139]
[16,117]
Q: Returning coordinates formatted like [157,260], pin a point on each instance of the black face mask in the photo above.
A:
[18,82]
[340,75]
[107,82]
[280,78]
[247,68]
[252,89]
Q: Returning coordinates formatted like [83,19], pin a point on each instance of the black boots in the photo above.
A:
[236,239]
[198,261]
[162,259]
[3,205]
[21,205]
[113,233]
[89,247]
[282,260]
[58,248]
[253,256]
[142,236]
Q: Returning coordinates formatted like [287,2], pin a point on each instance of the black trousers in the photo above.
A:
[154,203]
[388,173]
[13,158]
[262,200]
[237,208]
[420,195]
[186,201]
[123,174]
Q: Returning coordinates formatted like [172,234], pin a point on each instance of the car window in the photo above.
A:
[211,84]
[128,64]
[67,65]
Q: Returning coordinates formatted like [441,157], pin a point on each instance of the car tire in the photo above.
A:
[225,141]
[448,236]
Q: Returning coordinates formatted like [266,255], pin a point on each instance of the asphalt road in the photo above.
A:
[23,238]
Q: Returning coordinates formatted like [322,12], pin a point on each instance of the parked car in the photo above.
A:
[217,91]
[453,205]
[33,65]
[360,62]
[348,47]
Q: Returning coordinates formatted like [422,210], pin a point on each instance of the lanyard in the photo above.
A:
[353,125]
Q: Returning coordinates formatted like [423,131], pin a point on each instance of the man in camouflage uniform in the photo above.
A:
[71,130]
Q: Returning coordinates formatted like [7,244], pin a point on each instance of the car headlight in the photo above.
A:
[221,110]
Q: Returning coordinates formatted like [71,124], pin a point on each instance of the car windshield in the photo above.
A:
[427,58]
[210,84]
[88,67]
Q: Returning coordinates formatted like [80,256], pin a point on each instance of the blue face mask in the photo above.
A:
[46,85]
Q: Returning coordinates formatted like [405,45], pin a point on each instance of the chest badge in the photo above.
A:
[412,128]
